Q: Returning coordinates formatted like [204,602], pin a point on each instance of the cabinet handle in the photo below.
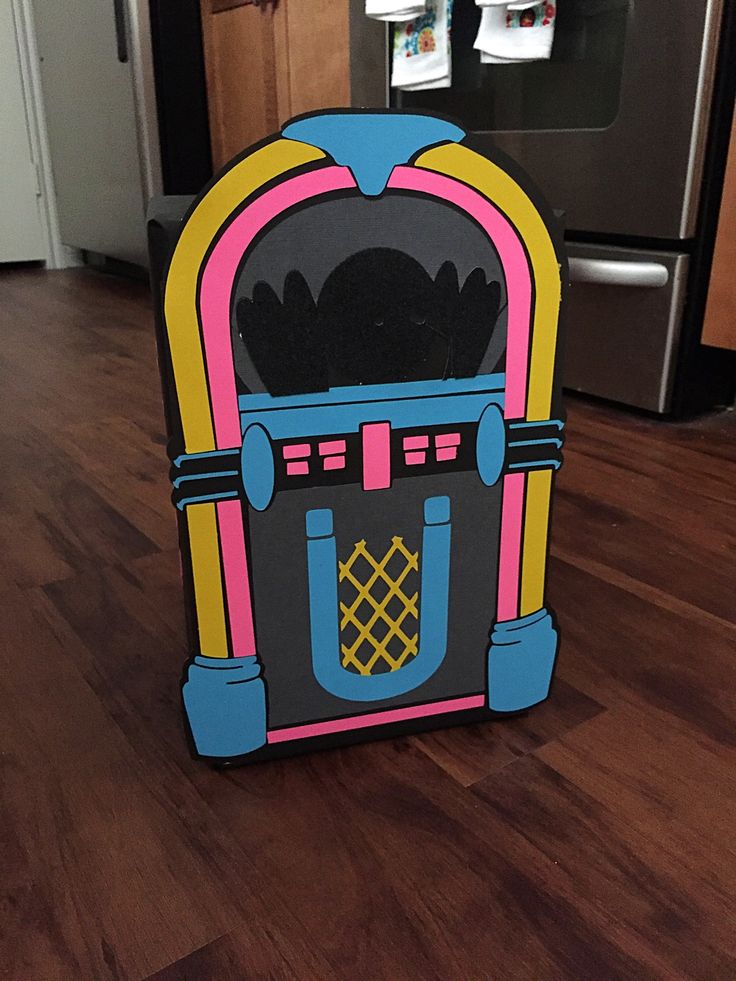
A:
[612,272]
[121,31]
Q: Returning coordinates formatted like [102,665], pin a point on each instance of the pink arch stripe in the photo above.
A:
[237,580]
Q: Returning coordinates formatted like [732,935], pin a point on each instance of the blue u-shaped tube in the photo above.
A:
[324,608]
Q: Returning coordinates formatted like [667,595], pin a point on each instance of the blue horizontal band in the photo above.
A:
[204,476]
[205,498]
[536,442]
[209,455]
[540,424]
[535,464]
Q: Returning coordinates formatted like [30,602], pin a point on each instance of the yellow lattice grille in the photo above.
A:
[368,653]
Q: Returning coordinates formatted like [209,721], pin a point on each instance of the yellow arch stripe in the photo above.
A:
[208,597]
[180,301]
[502,190]
[496,185]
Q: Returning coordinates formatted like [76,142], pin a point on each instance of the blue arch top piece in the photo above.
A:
[371,144]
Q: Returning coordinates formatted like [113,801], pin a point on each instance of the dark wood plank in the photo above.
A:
[621,647]
[424,881]
[588,838]
[81,430]
[469,753]
[269,955]
[99,877]
[672,892]
[653,503]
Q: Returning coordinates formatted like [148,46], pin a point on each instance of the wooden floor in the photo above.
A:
[593,839]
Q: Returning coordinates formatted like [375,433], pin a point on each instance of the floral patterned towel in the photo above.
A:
[421,55]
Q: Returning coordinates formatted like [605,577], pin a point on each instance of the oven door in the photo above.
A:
[612,127]
[623,320]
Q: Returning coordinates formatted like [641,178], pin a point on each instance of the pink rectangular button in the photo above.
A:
[333,446]
[297,469]
[376,438]
[412,459]
[449,453]
[447,439]
[297,451]
[416,442]
[334,463]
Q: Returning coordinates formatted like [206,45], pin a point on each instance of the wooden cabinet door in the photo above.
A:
[719,327]
[240,67]
[267,63]
[315,54]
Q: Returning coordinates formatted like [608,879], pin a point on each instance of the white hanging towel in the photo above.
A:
[489,59]
[486,59]
[422,58]
[513,32]
[394,10]
[437,83]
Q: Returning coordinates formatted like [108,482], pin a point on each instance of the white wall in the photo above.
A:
[28,221]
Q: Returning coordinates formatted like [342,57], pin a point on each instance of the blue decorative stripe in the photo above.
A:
[535,464]
[536,442]
[558,423]
[326,420]
[376,393]
[184,458]
[205,498]
[343,410]
[204,476]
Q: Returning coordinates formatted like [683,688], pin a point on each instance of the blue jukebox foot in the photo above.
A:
[225,703]
[521,659]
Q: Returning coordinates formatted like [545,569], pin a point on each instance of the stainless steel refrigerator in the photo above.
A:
[126,112]
[623,129]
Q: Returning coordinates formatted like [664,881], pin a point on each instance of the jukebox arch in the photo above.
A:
[240,204]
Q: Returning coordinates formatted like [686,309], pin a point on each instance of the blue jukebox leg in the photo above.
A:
[521,660]
[224,696]
[524,640]
[225,702]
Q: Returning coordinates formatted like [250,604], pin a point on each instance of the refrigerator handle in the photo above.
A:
[612,272]
[121,31]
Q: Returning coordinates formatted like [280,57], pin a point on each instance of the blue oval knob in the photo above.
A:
[257,466]
[490,445]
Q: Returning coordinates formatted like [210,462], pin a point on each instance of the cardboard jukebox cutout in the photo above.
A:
[360,327]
